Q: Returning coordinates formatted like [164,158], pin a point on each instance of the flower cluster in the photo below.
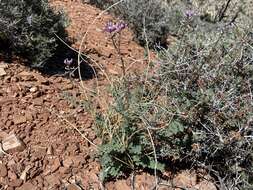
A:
[68,62]
[115,27]
[190,13]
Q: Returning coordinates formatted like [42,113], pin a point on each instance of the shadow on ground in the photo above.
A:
[57,66]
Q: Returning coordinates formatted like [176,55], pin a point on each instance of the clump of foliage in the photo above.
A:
[197,107]
[28,28]
[150,20]
[207,78]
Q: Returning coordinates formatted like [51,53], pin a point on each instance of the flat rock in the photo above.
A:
[3,170]
[41,79]
[15,183]
[3,135]
[121,184]
[2,72]
[56,165]
[205,185]
[27,186]
[53,180]
[3,65]
[73,187]
[185,179]
[12,144]
[68,162]
[19,119]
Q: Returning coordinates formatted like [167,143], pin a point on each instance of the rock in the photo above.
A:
[38,101]
[33,89]
[50,150]
[185,179]
[27,186]
[64,170]
[68,162]
[73,187]
[3,135]
[205,185]
[53,180]
[78,160]
[3,170]
[24,173]
[3,65]
[40,79]
[15,183]
[56,165]
[12,176]
[144,181]
[11,163]
[29,115]
[26,76]
[12,144]
[19,119]
[24,73]
[121,184]
[10,188]
[67,87]
[2,72]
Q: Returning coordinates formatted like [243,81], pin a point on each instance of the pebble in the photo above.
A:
[3,170]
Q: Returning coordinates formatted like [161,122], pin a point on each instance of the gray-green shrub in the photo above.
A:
[28,28]
[197,108]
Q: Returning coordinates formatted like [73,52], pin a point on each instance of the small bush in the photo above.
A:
[207,78]
[196,109]
[28,28]
[150,20]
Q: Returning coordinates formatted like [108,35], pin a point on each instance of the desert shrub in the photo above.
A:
[196,108]
[150,20]
[207,78]
[28,28]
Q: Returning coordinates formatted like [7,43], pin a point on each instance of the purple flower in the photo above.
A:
[110,27]
[189,13]
[68,62]
[120,26]
[115,27]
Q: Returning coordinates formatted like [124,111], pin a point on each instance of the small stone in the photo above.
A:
[29,116]
[64,170]
[19,119]
[52,180]
[26,76]
[205,185]
[38,101]
[2,72]
[3,65]
[3,135]
[40,79]
[121,184]
[27,186]
[50,150]
[11,163]
[10,188]
[56,165]
[68,162]
[67,87]
[12,176]
[12,144]
[185,179]
[34,89]
[73,187]
[3,170]
[15,183]
[24,173]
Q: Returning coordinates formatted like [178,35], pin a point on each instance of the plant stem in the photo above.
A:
[117,48]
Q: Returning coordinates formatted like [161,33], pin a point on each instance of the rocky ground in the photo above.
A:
[47,142]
